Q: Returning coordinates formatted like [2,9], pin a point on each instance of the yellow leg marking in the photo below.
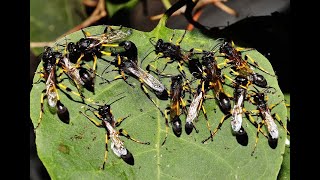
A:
[105,153]
[123,75]
[236,73]
[79,59]
[256,64]
[106,53]
[119,60]
[216,129]
[167,127]
[110,45]
[274,105]
[240,48]
[86,33]
[205,116]
[254,111]
[277,117]
[170,40]
[73,92]
[207,96]
[181,38]
[224,63]
[41,110]
[229,78]
[182,102]
[98,124]
[118,77]
[94,63]
[125,133]
[255,123]
[146,92]
[200,50]
[98,115]
[65,88]
[41,76]
[257,138]
[119,121]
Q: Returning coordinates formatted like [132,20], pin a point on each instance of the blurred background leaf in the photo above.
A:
[51,19]
[115,5]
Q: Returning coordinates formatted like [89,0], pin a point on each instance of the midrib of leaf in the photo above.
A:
[158,143]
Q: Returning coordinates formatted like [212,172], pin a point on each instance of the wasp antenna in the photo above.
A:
[220,41]
[106,29]
[152,41]
[256,90]
[146,57]
[117,99]
[269,90]
[92,107]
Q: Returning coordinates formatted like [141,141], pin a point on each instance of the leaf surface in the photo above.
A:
[76,151]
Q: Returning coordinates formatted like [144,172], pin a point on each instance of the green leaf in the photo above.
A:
[76,150]
[113,7]
[51,19]
[285,167]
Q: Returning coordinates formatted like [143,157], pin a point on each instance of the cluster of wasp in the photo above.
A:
[247,84]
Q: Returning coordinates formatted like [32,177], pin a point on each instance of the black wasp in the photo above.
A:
[48,73]
[104,114]
[240,65]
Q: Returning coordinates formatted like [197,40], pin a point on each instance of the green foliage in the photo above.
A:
[113,7]
[76,150]
[285,167]
[51,19]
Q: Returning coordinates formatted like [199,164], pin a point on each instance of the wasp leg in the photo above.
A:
[251,119]
[119,121]
[62,86]
[98,124]
[217,128]
[125,133]
[257,137]
[206,117]
[167,126]
[255,64]
[43,96]
[105,153]
[277,117]
[40,78]
[145,90]
[181,38]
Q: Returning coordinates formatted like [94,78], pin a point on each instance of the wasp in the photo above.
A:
[210,79]
[80,76]
[90,47]
[109,36]
[240,85]
[107,120]
[48,73]
[195,106]
[172,52]
[259,99]
[213,80]
[126,63]
[177,93]
[242,66]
